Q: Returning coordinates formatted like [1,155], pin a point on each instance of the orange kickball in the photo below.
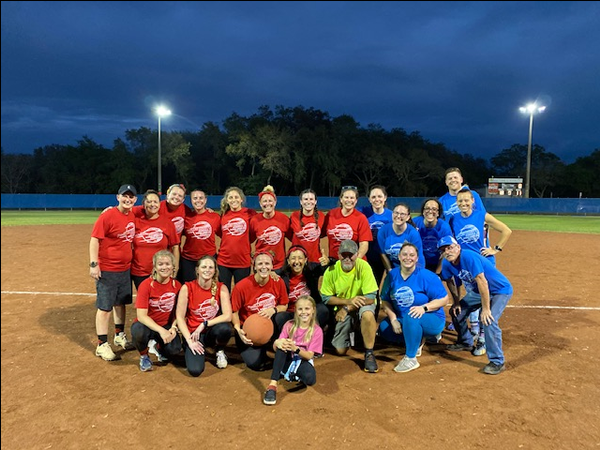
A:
[258,329]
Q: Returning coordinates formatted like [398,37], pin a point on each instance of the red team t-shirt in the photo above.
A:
[338,228]
[307,235]
[298,288]
[159,299]
[201,304]
[200,231]
[177,216]
[235,238]
[115,231]
[248,297]
[151,236]
[269,234]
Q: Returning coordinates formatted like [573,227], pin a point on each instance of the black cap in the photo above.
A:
[127,188]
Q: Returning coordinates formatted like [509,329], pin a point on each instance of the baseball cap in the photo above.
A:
[127,188]
[348,246]
[445,241]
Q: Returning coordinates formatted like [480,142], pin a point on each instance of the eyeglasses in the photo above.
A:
[347,255]
[349,188]
[431,209]
[400,214]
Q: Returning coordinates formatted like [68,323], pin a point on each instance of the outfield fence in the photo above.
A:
[579,206]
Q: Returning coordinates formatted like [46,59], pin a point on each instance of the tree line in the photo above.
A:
[291,149]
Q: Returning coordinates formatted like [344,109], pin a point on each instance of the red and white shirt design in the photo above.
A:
[248,297]
[159,299]
[338,228]
[234,250]
[200,231]
[269,234]
[202,305]
[115,231]
[307,235]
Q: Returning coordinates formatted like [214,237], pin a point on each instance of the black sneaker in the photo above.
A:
[493,369]
[459,348]
[270,397]
[371,363]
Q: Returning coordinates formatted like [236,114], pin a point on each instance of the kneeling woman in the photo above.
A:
[413,301]
[301,339]
[155,307]
[260,294]
[204,316]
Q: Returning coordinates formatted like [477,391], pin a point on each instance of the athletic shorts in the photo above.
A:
[341,336]
[113,289]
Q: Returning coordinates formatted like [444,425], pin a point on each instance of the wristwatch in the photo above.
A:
[297,351]
[94,264]
[498,248]
[425,308]
[345,308]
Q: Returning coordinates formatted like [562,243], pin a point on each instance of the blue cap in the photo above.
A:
[446,240]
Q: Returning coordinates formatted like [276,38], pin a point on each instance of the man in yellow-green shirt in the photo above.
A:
[351,288]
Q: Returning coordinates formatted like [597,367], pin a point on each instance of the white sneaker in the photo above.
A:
[152,349]
[407,364]
[221,359]
[420,349]
[121,340]
[105,352]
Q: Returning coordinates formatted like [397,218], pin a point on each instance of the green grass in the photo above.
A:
[17,218]
[560,224]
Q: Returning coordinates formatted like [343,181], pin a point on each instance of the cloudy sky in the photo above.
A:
[456,72]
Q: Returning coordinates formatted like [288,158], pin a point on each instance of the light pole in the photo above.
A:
[530,109]
[160,111]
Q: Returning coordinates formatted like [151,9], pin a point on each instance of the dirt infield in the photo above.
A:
[57,394]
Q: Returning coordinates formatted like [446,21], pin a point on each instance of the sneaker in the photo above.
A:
[434,339]
[221,359]
[407,364]
[145,363]
[479,348]
[450,327]
[105,352]
[152,348]
[493,369]
[121,340]
[270,397]
[420,349]
[459,347]
[371,363]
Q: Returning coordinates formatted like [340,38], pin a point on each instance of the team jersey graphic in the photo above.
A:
[393,252]
[235,227]
[452,210]
[376,225]
[341,232]
[206,310]
[430,244]
[310,232]
[266,300]
[469,234]
[300,290]
[178,222]
[467,280]
[404,297]
[129,232]
[152,235]
[271,236]
[201,230]
[164,303]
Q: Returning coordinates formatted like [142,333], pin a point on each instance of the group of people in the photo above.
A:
[377,261]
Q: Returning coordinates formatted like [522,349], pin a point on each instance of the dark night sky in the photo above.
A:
[456,72]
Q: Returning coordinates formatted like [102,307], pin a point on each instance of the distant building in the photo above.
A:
[505,187]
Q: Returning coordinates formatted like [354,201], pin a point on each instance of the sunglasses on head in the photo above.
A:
[348,188]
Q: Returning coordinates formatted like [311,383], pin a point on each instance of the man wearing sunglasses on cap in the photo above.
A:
[351,288]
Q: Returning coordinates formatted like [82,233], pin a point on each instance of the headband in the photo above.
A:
[293,248]
[261,194]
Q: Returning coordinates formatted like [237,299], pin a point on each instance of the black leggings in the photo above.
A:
[227,273]
[306,371]
[216,337]
[141,335]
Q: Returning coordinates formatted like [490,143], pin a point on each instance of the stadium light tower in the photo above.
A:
[161,111]
[530,109]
